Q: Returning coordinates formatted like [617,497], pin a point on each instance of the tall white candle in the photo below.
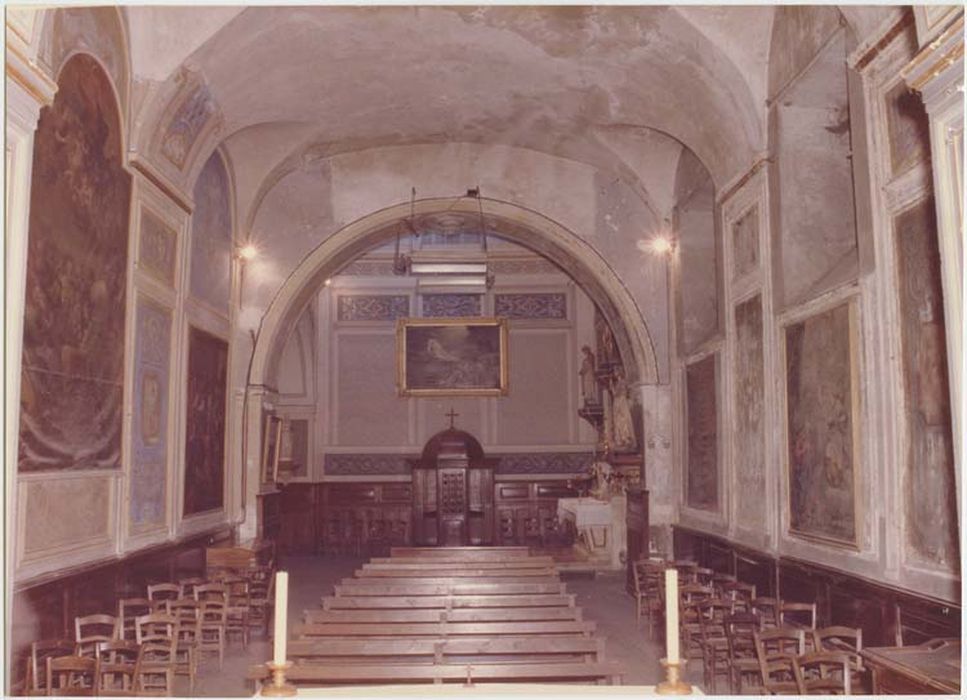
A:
[671,615]
[281,612]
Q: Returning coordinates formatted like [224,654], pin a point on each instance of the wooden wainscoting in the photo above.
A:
[888,616]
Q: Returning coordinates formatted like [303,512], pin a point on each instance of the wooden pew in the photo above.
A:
[468,552]
[376,587]
[447,564]
[447,602]
[438,615]
[551,578]
[445,572]
[444,629]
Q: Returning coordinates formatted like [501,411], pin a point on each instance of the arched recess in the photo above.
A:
[510,221]
[513,222]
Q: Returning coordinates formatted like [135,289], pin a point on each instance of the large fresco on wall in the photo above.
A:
[702,477]
[149,430]
[749,439]
[205,422]
[745,243]
[908,126]
[211,236]
[819,390]
[73,344]
[931,509]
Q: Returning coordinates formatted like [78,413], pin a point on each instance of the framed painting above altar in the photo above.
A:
[451,357]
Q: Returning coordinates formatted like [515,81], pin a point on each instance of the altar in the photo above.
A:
[600,528]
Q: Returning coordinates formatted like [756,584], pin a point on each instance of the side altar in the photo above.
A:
[599,524]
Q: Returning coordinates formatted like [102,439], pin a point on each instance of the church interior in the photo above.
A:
[588,345]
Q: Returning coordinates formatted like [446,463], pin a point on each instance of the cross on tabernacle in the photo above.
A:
[451,415]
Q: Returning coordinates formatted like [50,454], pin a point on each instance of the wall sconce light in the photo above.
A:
[246,252]
[657,245]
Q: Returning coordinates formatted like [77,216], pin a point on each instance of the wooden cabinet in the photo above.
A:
[364,517]
[243,555]
[926,669]
[526,512]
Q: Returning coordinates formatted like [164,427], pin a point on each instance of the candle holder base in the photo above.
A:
[673,684]
[277,687]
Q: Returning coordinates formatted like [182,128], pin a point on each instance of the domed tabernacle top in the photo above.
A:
[450,444]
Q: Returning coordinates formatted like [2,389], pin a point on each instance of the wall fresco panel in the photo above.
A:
[205,422]
[73,348]
[211,237]
[749,438]
[701,487]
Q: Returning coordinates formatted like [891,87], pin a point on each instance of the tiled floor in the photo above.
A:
[603,599]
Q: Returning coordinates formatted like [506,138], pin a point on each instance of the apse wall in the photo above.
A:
[338,374]
[803,423]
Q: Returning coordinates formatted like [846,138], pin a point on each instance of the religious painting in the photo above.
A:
[76,276]
[749,438]
[454,356]
[211,237]
[205,422]
[272,439]
[186,124]
[908,126]
[821,413]
[931,509]
[702,470]
[745,243]
[149,451]
[158,247]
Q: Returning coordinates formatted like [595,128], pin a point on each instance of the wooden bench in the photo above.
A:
[448,602]
[384,673]
[375,587]
[443,629]
[438,615]
[431,578]
[460,561]
[457,572]
[467,552]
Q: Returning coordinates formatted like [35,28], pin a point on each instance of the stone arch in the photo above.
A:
[525,226]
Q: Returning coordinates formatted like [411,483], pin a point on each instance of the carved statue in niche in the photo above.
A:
[622,425]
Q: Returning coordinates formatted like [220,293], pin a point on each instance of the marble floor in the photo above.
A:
[603,599]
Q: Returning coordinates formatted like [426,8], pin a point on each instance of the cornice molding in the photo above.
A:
[29,88]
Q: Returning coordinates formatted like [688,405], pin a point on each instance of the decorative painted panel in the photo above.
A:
[65,512]
[73,344]
[361,464]
[749,439]
[366,464]
[545,463]
[372,307]
[158,247]
[211,236]
[931,508]
[909,129]
[450,305]
[531,306]
[205,422]
[186,125]
[745,243]
[150,429]
[819,390]
[702,472]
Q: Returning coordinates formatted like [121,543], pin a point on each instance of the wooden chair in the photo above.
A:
[239,605]
[767,610]
[40,651]
[776,650]
[120,662]
[187,612]
[211,591]
[741,593]
[91,629]
[648,587]
[157,634]
[746,676]
[187,585]
[703,576]
[160,592]
[260,599]
[128,610]
[848,640]
[822,673]
[798,615]
[715,644]
[686,570]
[72,675]
[211,628]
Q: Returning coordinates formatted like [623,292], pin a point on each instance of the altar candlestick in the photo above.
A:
[671,615]
[281,612]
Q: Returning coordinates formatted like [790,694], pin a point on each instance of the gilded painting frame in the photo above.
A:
[854,408]
[271,448]
[458,356]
